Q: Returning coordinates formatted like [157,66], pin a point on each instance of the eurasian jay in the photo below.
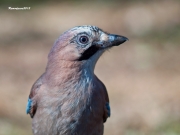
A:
[68,98]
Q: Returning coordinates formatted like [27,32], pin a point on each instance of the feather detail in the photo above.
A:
[28,106]
[108,109]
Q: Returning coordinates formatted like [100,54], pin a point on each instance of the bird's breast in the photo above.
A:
[78,105]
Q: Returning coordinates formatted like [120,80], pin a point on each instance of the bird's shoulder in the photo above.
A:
[36,86]
[107,110]
[103,88]
[32,103]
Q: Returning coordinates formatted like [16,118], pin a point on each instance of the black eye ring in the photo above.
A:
[83,39]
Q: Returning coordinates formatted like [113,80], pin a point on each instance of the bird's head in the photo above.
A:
[84,43]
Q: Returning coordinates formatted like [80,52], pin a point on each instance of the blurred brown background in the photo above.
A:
[142,76]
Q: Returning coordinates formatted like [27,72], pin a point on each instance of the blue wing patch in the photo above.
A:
[28,106]
[108,109]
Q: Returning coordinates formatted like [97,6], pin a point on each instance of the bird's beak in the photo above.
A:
[110,40]
[116,40]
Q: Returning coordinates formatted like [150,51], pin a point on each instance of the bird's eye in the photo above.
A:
[83,39]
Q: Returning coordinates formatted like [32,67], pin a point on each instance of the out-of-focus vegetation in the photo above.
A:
[142,76]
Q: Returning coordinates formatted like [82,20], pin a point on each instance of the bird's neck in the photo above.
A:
[62,71]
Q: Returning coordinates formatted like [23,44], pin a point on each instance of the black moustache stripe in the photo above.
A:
[89,52]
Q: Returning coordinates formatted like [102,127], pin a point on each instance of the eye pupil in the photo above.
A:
[83,39]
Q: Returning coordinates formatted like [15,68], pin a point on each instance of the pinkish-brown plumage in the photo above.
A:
[68,99]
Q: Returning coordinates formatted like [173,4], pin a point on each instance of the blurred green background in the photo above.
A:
[142,76]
